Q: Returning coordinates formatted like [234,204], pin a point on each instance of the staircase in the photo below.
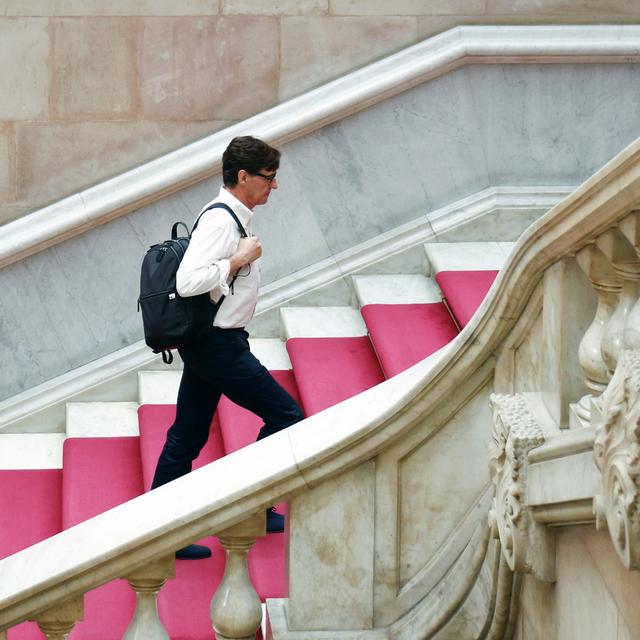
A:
[330,354]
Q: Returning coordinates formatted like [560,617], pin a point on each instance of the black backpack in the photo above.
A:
[170,320]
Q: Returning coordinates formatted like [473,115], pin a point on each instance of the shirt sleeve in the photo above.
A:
[205,266]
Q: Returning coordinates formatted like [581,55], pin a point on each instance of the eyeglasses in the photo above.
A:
[269,179]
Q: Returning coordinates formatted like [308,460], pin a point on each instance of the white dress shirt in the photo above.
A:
[205,267]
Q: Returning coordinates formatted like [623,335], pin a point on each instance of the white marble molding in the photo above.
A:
[297,117]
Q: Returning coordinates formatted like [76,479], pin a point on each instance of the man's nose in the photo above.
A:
[274,183]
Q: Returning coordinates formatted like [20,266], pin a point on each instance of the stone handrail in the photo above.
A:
[297,117]
[221,496]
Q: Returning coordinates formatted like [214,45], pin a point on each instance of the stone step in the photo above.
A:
[102,419]
[158,387]
[161,387]
[467,256]
[31,450]
[322,322]
[396,289]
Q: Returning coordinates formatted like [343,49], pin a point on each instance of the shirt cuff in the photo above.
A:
[224,266]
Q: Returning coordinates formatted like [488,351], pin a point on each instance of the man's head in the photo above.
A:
[249,166]
[250,154]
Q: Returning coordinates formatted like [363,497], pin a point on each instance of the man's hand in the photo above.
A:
[249,249]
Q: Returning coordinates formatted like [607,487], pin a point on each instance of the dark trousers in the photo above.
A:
[220,363]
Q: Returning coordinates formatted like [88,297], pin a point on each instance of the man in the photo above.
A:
[221,362]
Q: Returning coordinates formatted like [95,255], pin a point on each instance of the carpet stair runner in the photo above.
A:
[30,512]
[332,353]
[99,474]
[465,272]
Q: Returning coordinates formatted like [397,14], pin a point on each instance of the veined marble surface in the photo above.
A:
[31,450]
[102,419]
[340,186]
[322,322]
[465,256]
[396,289]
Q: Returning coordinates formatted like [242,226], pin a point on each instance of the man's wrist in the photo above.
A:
[235,263]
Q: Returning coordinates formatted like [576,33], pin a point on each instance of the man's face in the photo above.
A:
[258,186]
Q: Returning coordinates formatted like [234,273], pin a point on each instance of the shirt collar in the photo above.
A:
[243,212]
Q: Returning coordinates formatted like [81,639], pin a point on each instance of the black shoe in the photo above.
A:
[275,521]
[193,552]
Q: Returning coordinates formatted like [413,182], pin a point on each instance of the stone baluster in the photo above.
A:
[626,265]
[147,582]
[236,612]
[607,286]
[57,622]
[630,229]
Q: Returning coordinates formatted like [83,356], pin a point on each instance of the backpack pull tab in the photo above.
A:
[167,357]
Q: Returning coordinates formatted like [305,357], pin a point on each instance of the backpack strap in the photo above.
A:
[226,207]
[174,230]
[243,233]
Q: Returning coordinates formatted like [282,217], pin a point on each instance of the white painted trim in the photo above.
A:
[137,356]
[297,117]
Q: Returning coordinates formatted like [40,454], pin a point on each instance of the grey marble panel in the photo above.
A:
[339,186]
[287,226]
[393,162]
[502,225]
[554,124]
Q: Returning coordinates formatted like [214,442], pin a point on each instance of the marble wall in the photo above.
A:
[594,597]
[477,127]
[177,71]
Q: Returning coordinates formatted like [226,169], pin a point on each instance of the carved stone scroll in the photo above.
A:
[526,545]
[617,455]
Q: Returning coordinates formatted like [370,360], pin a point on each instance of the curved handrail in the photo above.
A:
[226,492]
[296,117]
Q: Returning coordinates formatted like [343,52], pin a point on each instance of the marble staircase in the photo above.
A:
[327,354]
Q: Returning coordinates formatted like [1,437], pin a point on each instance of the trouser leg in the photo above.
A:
[220,363]
[197,401]
[267,399]
[241,377]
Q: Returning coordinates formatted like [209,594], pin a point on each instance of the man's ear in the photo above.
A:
[242,177]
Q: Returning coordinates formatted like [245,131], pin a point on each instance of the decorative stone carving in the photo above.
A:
[526,545]
[617,456]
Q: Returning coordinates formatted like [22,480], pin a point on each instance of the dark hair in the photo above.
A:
[250,154]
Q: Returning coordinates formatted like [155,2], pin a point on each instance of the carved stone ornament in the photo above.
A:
[617,455]
[526,545]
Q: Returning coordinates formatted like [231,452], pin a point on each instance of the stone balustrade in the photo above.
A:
[543,476]
[50,590]
[236,612]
